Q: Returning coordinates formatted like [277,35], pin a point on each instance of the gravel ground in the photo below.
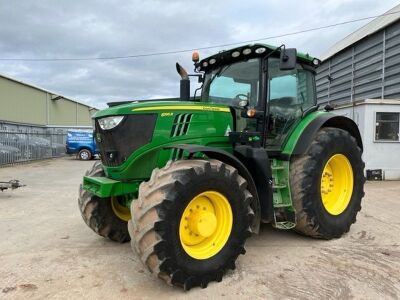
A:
[46,250]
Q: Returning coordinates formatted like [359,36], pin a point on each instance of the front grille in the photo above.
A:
[115,145]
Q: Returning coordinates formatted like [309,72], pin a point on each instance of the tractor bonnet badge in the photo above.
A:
[228,129]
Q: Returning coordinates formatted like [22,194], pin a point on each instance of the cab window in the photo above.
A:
[291,92]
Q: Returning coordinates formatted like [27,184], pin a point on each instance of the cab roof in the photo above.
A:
[255,50]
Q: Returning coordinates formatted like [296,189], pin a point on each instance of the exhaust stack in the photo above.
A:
[184,84]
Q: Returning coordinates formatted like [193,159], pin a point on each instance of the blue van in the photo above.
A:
[82,143]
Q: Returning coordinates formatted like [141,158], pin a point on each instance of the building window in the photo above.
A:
[387,126]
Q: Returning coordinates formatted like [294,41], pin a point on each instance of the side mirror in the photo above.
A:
[288,59]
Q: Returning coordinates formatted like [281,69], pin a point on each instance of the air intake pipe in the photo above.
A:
[184,84]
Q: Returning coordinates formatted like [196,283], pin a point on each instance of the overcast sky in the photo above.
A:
[53,29]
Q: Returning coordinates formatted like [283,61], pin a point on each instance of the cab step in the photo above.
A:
[284,214]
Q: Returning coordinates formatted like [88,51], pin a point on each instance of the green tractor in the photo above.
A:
[188,181]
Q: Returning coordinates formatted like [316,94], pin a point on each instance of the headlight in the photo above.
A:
[246,51]
[260,50]
[235,53]
[110,122]
[316,62]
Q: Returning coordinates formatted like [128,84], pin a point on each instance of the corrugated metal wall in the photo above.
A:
[369,69]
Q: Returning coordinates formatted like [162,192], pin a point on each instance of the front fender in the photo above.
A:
[230,159]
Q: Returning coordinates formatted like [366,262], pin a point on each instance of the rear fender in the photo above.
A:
[321,120]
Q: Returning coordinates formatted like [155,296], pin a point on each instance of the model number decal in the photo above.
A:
[167,114]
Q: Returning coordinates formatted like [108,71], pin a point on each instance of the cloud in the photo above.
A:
[46,29]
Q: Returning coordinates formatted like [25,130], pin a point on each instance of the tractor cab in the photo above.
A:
[269,89]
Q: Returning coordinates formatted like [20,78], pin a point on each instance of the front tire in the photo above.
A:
[105,216]
[327,184]
[167,231]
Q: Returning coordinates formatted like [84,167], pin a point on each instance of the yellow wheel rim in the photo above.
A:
[205,225]
[119,210]
[337,184]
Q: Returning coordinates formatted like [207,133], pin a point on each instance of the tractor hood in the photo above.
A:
[138,132]
[159,106]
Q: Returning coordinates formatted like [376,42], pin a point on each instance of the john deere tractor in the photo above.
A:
[188,181]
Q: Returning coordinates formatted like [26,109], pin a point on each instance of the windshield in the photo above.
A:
[232,83]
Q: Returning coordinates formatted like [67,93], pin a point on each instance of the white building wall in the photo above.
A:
[383,155]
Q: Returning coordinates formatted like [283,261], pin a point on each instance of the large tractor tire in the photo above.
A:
[327,184]
[190,221]
[105,216]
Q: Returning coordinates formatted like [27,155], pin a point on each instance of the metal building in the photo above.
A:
[34,121]
[25,103]
[364,65]
[360,77]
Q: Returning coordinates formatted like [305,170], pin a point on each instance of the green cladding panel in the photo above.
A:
[21,103]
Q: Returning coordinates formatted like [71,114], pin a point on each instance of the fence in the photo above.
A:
[23,143]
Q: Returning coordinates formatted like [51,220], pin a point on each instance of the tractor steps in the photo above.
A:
[284,214]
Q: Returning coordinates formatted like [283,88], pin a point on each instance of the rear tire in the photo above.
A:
[98,212]
[314,217]
[157,216]
[85,154]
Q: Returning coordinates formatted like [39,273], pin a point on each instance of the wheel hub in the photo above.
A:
[337,184]
[202,223]
[120,210]
[205,225]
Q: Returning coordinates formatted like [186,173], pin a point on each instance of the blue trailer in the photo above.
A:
[82,143]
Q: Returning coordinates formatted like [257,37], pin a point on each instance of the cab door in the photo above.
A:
[290,94]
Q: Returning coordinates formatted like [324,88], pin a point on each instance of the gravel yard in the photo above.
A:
[47,251]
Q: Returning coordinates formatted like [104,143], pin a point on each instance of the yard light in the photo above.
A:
[212,61]
[205,64]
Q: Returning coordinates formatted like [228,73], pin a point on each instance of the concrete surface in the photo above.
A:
[46,250]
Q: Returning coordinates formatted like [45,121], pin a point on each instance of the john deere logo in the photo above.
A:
[98,137]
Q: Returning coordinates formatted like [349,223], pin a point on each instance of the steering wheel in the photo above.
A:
[241,97]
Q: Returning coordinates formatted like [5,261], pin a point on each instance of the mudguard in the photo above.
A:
[228,158]
[299,142]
